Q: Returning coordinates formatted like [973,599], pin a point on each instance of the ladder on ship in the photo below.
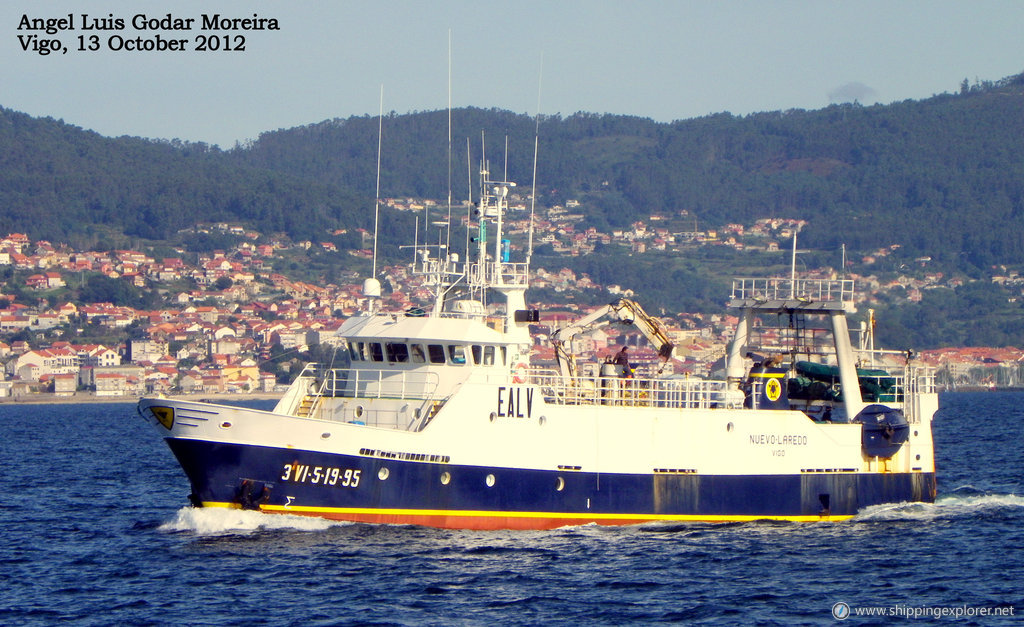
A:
[305,408]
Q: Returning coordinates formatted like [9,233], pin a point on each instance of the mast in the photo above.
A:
[469,195]
[481,236]
[831,298]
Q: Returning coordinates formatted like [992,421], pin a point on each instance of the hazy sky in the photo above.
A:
[664,59]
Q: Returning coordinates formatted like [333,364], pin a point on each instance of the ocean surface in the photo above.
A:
[95,530]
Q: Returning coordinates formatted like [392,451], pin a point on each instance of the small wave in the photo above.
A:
[216,521]
[968,490]
[961,503]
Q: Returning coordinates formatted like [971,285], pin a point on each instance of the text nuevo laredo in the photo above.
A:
[778,439]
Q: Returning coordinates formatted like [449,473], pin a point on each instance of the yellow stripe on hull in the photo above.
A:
[516,520]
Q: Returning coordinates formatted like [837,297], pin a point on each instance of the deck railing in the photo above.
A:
[818,290]
[503,273]
[682,393]
[919,380]
[359,383]
[673,393]
[315,383]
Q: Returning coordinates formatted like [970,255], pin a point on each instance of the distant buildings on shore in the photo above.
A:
[236,325]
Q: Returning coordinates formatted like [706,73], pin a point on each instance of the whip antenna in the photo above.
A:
[533,190]
[376,201]
[448,240]
[371,286]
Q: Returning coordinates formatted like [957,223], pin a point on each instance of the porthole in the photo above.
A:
[542,420]
[359,411]
[383,473]
[324,436]
[560,484]
[494,416]
[225,425]
[446,478]
[729,427]
[918,458]
[489,481]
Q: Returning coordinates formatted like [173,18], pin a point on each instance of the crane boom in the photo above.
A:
[623,310]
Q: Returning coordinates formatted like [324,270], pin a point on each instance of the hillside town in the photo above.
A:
[239,327]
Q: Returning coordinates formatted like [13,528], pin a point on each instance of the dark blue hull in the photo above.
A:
[436,493]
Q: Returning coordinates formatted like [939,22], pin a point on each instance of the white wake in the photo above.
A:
[945,506]
[214,521]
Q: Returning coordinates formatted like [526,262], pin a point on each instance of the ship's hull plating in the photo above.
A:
[377,490]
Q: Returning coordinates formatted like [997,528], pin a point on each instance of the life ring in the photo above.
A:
[519,374]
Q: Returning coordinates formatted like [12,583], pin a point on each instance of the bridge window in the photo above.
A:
[353,350]
[418,356]
[376,351]
[478,357]
[436,352]
[488,355]
[398,352]
[457,354]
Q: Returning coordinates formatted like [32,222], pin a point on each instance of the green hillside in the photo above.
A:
[62,183]
[941,177]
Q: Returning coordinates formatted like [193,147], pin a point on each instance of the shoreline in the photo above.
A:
[86,397]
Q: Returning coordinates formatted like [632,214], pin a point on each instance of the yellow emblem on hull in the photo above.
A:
[773,389]
[165,415]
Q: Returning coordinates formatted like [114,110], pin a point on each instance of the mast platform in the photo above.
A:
[784,295]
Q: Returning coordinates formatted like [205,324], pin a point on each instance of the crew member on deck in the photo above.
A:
[622,359]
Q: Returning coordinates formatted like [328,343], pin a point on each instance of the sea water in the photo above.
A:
[96,530]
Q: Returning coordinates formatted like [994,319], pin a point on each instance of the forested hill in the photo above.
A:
[943,177]
[65,184]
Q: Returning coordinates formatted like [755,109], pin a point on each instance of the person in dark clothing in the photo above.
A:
[622,359]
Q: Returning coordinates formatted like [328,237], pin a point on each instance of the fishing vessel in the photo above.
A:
[436,416]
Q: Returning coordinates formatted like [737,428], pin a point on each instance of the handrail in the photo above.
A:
[631,392]
[316,383]
[291,400]
[786,289]
[500,273]
[359,383]
[902,389]
[689,393]
[920,380]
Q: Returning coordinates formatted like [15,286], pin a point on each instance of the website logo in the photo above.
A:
[840,611]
